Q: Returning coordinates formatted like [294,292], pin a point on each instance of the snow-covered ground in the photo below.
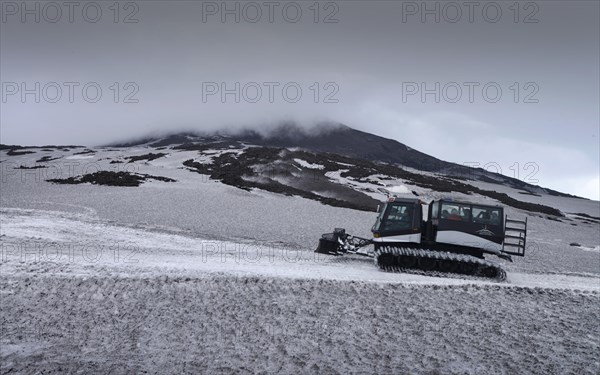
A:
[81,244]
[199,277]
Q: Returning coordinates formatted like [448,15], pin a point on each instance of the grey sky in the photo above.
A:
[375,53]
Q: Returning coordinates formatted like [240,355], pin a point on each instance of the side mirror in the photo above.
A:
[378,208]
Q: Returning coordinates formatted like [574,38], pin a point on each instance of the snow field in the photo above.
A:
[223,324]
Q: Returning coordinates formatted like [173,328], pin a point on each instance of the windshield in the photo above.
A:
[397,216]
[379,217]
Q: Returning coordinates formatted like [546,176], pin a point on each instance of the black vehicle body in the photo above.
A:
[454,226]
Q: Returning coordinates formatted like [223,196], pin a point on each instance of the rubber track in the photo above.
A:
[435,263]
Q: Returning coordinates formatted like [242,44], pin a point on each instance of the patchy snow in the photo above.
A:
[335,175]
[589,248]
[398,189]
[376,186]
[565,204]
[205,159]
[308,165]
[218,152]
[79,157]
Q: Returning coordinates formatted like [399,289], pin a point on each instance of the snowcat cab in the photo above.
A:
[399,220]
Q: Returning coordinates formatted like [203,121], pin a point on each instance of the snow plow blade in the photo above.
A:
[339,243]
[331,243]
[327,245]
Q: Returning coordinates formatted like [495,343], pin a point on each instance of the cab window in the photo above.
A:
[487,215]
[456,211]
[398,217]
[434,210]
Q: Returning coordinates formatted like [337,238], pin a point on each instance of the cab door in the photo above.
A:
[401,221]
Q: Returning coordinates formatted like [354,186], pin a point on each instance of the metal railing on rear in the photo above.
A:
[515,236]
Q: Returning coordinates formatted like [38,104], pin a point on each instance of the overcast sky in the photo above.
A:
[365,63]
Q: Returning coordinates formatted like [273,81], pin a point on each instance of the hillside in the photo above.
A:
[198,257]
[341,140]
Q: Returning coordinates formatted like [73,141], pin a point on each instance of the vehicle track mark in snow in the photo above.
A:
[78,244]
[178,309]
[222,324]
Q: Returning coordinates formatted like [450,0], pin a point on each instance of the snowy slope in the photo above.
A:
[198,276]
[85,295]
[81,244]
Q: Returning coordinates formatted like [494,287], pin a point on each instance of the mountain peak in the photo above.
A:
[334,138]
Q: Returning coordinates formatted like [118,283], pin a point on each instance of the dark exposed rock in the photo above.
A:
[110,178]
[529,193]
[13,152]
[237,170]
[343,140]
[196,146]
[45,147]
[45,159]
[147,157]
[85,152]
[33,167]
